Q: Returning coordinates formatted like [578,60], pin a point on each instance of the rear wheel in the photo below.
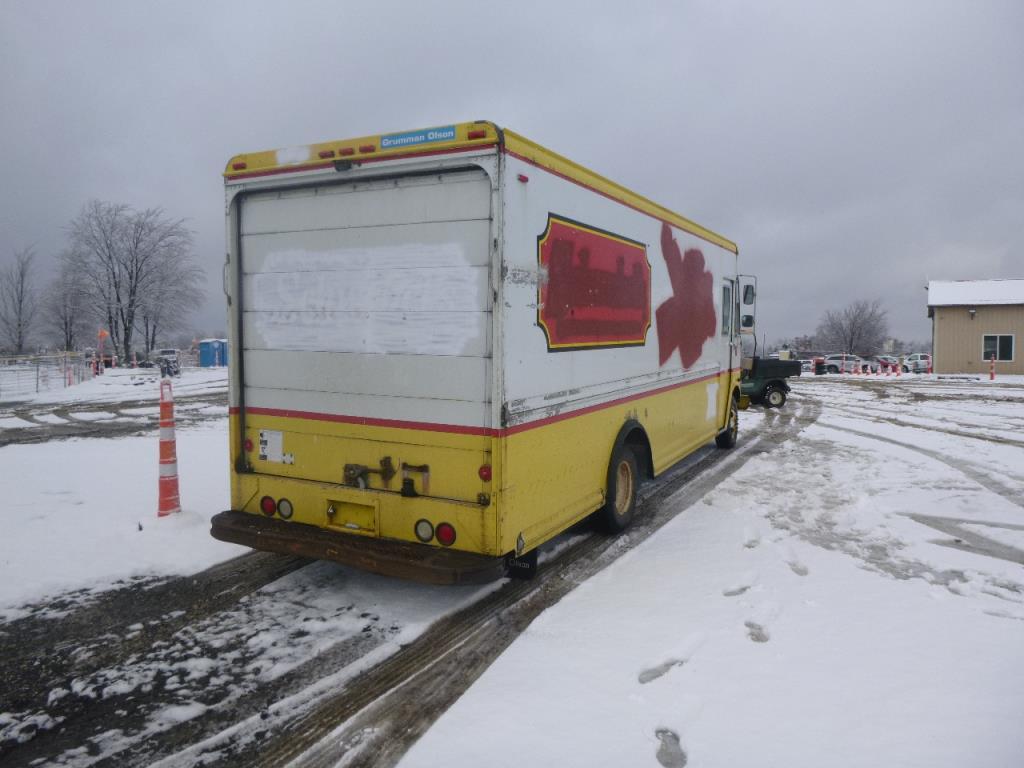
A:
[775,397]
[833,369]
[727,437]
[623,479]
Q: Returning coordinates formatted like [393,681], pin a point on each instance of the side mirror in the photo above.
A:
[748,297]
[747,321]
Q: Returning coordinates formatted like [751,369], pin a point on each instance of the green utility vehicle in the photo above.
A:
[764,380]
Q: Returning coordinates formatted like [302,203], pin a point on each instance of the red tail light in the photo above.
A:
[268,506]
[485,473]
[445,533]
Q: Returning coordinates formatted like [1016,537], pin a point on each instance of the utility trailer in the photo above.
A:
[447,346]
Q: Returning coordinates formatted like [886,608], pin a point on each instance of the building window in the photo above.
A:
[1000,345]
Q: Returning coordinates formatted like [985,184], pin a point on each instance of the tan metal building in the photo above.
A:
[972,320]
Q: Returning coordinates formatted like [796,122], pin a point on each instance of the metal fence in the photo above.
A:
[24,376]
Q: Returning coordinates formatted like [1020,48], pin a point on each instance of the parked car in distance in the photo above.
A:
[919,362]
[807,366]
[842,363]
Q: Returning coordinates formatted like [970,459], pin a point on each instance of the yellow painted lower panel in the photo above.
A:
[545,478]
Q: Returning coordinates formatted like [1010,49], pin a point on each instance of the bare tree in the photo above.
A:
[861,328]
[18,301]
[66,305]
[176,291]
[124,256]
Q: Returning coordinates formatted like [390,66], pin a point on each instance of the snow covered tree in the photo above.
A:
[18,301]
[860,329]
[127,257]
[164,308]
[66,306]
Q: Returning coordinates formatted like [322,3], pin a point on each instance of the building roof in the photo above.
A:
[958,293]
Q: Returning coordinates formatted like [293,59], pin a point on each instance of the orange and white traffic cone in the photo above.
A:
[169,500]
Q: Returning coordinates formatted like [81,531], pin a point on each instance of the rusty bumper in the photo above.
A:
[418,562]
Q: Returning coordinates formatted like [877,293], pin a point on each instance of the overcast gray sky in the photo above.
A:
[852,150]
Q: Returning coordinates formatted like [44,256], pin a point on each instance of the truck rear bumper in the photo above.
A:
[418,562]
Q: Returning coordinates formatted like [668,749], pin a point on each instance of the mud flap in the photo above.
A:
[523,567]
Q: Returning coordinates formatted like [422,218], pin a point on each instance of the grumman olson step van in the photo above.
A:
[449,345]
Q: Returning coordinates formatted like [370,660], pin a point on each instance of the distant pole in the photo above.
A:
[992,368]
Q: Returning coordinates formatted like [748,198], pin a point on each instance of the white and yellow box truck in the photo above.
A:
[449,345]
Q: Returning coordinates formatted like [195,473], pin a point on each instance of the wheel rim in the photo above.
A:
[775,397]
[623,487]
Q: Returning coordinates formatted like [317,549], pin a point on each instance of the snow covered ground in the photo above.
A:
[80,514]
[854,596]
[800,615]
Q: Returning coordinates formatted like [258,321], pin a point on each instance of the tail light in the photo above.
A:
[485,473]
[268,506]
[445,534]
[424,530]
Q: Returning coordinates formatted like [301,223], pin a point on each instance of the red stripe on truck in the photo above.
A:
[459,429]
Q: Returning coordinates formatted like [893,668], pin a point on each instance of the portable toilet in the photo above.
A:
[213,353]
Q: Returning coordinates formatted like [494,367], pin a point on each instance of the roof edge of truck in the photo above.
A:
[458,137]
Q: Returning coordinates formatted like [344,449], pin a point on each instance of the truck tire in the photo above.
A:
[775,397]
[623,479]
[833,369]
[727,437]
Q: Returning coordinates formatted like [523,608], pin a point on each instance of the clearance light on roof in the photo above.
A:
[477,135]
[367,148]
[326,153]
[346,151]
[238,166]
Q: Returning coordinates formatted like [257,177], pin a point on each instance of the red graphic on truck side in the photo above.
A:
[686,320]
[597,291]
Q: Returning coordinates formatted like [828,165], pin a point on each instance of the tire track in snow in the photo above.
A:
[974,471]
[887,417]
[375,718]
